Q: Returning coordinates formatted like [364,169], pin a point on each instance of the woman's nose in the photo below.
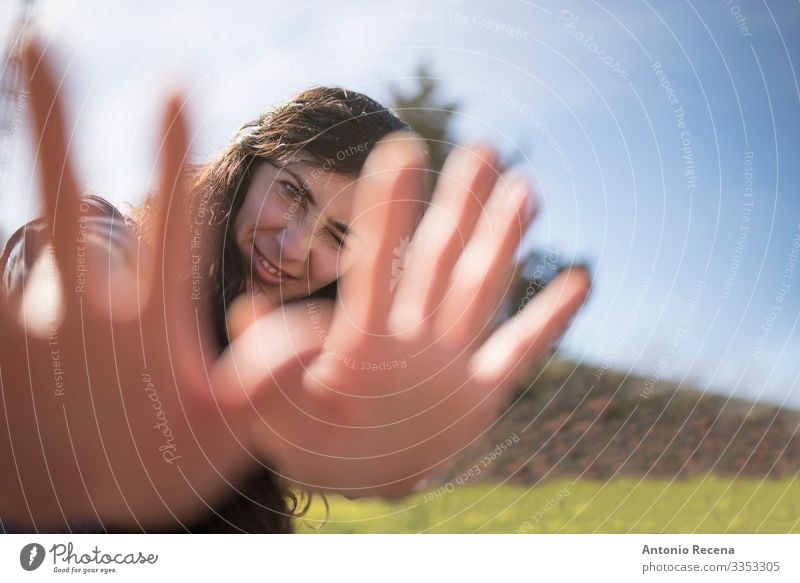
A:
[295,242]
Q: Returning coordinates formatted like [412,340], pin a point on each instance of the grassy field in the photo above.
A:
[701,505]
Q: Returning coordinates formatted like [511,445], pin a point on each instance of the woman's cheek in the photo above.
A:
[273,213]
[266,211]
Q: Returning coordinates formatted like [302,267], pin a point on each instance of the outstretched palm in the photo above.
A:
[108,416]
[406,376]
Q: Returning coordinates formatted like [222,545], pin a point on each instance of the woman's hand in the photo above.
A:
[108,418]
[409,372]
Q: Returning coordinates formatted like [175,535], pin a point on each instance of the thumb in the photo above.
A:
[272,349]
[245,310]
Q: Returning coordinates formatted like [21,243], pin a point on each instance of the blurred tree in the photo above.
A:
[428,113]
[534,271]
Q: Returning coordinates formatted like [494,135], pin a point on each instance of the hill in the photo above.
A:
[577,421]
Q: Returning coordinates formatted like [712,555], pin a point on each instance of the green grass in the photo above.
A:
[701,505]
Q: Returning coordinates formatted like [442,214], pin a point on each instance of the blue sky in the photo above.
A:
[689,253]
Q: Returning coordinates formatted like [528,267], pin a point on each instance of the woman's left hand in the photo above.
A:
[406,377]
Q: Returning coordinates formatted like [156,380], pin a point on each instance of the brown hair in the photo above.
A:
[335,127]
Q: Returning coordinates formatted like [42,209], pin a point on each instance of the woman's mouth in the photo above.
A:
[268,271]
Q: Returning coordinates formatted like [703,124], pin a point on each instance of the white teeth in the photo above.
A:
[269,268]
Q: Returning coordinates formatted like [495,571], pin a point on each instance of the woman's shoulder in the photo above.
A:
[91,207]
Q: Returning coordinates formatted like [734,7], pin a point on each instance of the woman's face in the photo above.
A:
[292,227]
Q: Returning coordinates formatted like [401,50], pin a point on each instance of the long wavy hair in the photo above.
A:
[337,128]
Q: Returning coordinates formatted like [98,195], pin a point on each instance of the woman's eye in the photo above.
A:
[295,194]
[339,241]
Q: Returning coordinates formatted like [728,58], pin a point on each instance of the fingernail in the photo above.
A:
[531,205]
[519,186]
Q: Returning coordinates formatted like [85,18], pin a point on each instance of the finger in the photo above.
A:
[386,210]
[59,187]
[518,343]
[177,285]
[271,353]
[480,277]
[463,186]
[245,310]
[170,264]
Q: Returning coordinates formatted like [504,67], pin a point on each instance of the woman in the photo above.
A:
[273,204]
[364,396]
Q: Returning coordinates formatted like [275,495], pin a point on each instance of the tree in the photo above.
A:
[427,113]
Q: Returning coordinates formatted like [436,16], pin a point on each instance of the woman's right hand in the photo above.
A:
[108,416]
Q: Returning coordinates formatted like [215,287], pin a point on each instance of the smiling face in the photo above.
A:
[292,228]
